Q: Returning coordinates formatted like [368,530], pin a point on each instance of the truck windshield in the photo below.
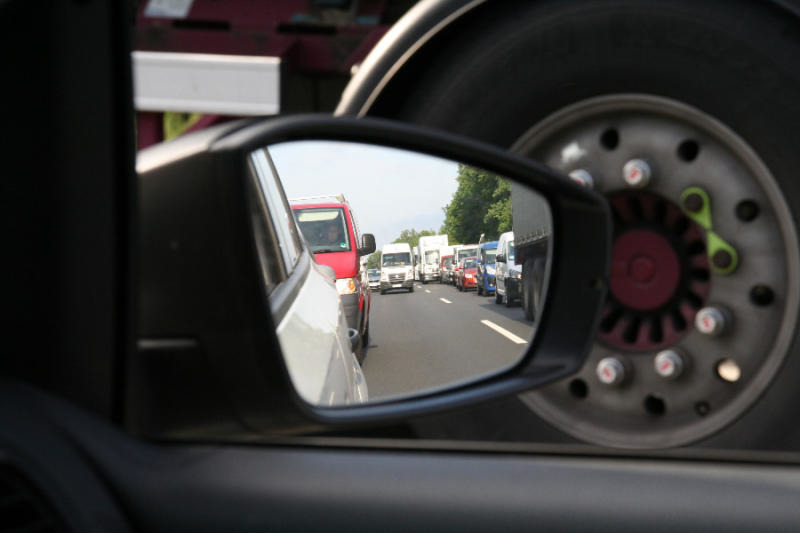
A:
[324,228]
[400,259]
[488,255]
[465,252]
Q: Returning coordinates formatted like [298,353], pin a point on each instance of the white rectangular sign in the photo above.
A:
[206,83]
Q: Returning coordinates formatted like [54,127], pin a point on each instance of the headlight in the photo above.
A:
[410,272]
[516,274]
[384,276]
[346,285]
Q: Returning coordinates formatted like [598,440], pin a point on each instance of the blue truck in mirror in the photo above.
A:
[486,268]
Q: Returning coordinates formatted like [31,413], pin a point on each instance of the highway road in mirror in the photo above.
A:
[438,336]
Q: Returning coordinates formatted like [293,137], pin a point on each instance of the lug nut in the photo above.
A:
[693,203]
[636,173]
[582,177]
[668,364]
[710,321]
[610,371]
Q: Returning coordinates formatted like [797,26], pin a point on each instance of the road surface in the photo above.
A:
[438,336]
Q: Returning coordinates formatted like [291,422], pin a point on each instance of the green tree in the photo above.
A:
[374,260]
[481,204]
[411,236]
[499,212]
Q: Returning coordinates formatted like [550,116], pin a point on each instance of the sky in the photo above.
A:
[388,189]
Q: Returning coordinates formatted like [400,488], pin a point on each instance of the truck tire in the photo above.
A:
[709,98]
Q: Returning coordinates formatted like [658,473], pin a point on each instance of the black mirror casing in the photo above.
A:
[500,258]
[207,336]
[367,244]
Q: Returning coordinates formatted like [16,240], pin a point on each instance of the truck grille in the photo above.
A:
[396,278]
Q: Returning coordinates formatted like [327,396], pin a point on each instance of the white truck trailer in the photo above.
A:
[532,227]
[429,269]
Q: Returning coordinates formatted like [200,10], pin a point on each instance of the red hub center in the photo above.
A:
[659,274]
[645,270]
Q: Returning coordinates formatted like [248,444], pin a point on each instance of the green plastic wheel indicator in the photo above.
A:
[696,203]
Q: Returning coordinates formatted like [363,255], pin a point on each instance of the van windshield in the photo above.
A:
[324,228]
[397,259]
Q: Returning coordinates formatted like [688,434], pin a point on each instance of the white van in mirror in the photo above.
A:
[397,269]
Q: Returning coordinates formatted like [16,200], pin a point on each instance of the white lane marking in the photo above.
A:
[426,290]
[504,332]
[445,300]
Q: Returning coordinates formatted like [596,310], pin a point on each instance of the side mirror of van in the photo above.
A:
[367,244]
[500,258]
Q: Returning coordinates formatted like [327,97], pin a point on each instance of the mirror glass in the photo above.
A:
[429,307]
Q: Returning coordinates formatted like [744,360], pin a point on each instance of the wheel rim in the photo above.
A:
[666,248]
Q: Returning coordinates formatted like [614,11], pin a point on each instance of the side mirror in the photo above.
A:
[367,244]
[236,302]
[500,258]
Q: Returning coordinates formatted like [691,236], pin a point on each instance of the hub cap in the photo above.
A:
[659,274]
[709,229]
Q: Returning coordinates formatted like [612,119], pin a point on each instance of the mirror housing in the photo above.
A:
[367,244]
[206,322]
[500,258]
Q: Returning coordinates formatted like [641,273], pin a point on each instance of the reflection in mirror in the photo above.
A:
[440,269]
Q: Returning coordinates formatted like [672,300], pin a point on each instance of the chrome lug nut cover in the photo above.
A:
[636,173]
[582,177]
[610,371]
[711,321]
[668,364]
